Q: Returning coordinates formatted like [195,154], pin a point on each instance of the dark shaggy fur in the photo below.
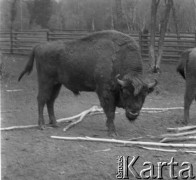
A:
[182,66]
[91,63]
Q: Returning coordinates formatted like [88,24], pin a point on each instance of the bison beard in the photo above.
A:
[107,62]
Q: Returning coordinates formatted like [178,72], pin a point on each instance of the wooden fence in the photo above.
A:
[173,45]
[22,42]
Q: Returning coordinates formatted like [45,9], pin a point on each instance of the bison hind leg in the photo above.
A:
[41,103]
[46,95]
[50,104]
[188,99]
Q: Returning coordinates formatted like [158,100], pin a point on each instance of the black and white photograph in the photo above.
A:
[98,89]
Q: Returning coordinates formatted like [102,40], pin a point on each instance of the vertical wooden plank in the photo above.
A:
[15,43]
[47,35]
[11,41]
[140,42]
[195,38]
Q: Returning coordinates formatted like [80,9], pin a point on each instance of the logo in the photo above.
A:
[126,169]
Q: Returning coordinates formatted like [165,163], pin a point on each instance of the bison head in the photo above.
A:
[133,92]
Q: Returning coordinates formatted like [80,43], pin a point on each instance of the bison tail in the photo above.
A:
[29,65]
[180,70]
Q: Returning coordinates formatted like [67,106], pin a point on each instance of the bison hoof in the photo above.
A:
[54,125]
[42,127]
[184,122]
[112,134]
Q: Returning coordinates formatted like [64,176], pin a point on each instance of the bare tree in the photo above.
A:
[175,20]
[13,13]
[156,58]
[119,15]
[12,18]
[154,7]
[194,2]
[164,22]
[111,15]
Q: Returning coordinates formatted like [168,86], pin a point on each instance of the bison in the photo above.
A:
[187,69]
[107,62]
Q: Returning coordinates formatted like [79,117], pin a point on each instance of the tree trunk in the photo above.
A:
[127,23]
[152,57]
[175,21]
[119,15]
[164,23]
[194,2]
[12,18]
[111,14]
[93,24]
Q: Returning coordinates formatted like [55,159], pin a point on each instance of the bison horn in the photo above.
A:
[121,82]
[152,85]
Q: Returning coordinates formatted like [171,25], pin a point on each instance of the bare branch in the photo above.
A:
[171,139]
[164,22]
[169,150]
[179,134]
[157,2]
[123,141]
[18,127]
[175,20]
[178,129]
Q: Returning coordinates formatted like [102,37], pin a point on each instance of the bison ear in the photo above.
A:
[152,85]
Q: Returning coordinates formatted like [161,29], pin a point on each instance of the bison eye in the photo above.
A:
[126,92]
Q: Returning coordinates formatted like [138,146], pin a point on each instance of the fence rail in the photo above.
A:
[22,42]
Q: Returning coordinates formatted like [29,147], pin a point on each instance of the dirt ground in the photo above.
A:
[31,154]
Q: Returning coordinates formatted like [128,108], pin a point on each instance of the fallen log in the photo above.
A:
[92,111]
[82,115]
[153,110]
[123,141]
[14,90]
[97,110]
[172,139]
[69,118]
[168,150]
[17,127]
[10,111]
[179,134]
[160,109]
[179,129]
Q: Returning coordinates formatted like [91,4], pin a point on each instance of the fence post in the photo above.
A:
[140,41]
[11,41]
[195,38]
[47,35]
[15,42]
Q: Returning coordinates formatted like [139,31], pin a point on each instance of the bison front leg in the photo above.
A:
[107,102]
[110,114]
